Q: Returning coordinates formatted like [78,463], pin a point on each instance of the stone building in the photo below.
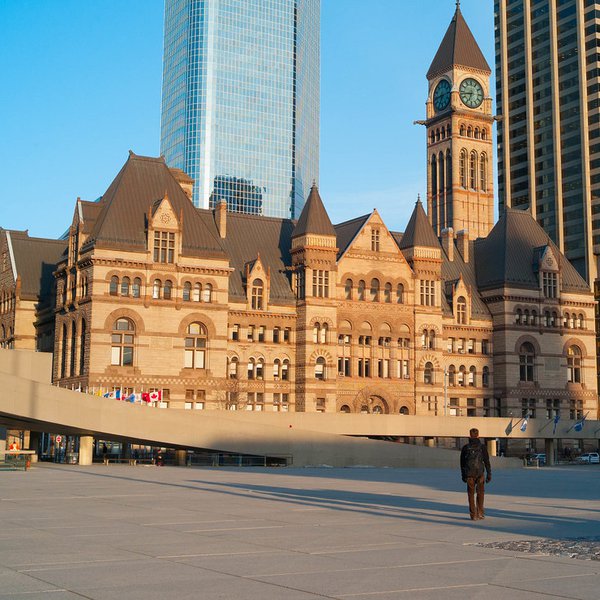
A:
[219,310]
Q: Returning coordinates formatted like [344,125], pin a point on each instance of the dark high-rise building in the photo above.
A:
[548,101]
[240,106]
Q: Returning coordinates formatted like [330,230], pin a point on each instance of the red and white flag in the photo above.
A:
[156,396]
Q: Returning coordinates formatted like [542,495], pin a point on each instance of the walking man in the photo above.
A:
[474,462]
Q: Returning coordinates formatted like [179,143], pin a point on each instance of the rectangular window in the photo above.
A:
[550,284]
[427,295]
[320,283]
[250,333]
[188,405]
[276,334]
[235,333]
[375,240]
[320,404]
[287,334]
[261,333]
[164,247]
[485,347]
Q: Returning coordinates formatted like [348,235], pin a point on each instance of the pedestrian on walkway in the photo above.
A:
[105,454]
[474,462]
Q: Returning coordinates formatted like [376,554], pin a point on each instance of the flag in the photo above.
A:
[156,396]
[145,397]
[524,424]
[509,428]
[556,420]
[130,398]
[107,395]
[579,425]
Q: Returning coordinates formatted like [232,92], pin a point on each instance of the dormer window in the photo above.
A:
[257,294]
[164,247]
[550,284]
[375,240]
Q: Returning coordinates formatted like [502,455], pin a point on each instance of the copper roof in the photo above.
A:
[142,181]
[458,48]
[418,231]
[509,255]
[347,231]
[314,217]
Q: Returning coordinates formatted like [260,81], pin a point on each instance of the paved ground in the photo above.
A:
[122,532]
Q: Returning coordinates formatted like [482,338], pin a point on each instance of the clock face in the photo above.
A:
[471,93]
[441,95]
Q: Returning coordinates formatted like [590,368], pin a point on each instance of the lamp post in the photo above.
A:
[445,391]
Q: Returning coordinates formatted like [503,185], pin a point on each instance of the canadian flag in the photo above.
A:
[145,397]
[156,396]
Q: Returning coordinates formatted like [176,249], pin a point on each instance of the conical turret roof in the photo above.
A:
[419,231]
[314,218]
[458,48]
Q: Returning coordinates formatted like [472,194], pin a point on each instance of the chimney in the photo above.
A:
[448,242]
[220,213]
[462,241]
[185,181]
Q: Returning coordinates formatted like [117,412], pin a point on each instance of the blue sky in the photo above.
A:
[82,86]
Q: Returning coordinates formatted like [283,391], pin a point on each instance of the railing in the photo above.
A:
[16,460]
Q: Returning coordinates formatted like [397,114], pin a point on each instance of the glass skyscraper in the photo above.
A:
[548,100]
[240,106]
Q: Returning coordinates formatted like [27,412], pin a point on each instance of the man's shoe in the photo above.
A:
[481,517]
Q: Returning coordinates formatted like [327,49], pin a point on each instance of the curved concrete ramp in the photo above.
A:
[28,401]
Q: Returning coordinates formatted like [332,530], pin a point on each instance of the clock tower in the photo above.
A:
[460,191]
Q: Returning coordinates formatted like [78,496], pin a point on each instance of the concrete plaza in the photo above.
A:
[123,532]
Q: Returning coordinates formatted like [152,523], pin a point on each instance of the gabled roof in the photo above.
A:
[509,255]
[458,48]
[141,182]
[313,218]
[35,261]
[347,231]
[418,231]
[249,236]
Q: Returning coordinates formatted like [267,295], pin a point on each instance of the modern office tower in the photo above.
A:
[460,190]
[548,79]
[240,106]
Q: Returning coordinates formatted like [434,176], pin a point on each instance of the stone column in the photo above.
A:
[86,449]
[492,447]
[550,446]
[181,457]
[2,440]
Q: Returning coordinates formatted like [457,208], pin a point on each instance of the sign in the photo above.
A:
[58,439]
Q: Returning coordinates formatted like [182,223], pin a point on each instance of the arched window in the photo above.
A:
[555,322]
[432,136]
[345,409]
[114,286]
[574,364]
[63,358]
[462,130]
[82,334]
[400,294]
[348,289]
[276,369]
[526,362]
[84,287]
[197,292]
[519,316]
[404,410]
[233,367]
[168,291]
[251,368]
[122,343]
[431,339]
[387,293]
[73,349]
[207,293]
[361,290]
[461,311]
[323,333]
[187,291]
[448,170]
[452,375]
[526,317]
[156,289]
[476,133]
[260,368]
[472,376]
[374,290]
[483,172]
[320,368]
[316,328]
[469,131]
[195,346]
[463,168]
[547,319]
[125,283]
[534,317]
[580,322]
[462,373]
[257,294]
[434,175]
[473,170]
[285,369]
[484,134]
[428,373]
[136,288]
[485,377]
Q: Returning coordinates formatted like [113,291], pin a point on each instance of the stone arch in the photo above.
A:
[125,313]
[197,317]
[429,358]
[321,320]
[345,325]
[574,342]
[320,353]
[527,338]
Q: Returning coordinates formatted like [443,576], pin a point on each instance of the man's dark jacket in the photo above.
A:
[484,463]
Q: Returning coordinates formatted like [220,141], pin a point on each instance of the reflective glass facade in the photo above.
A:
[240,107]
[548,74]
